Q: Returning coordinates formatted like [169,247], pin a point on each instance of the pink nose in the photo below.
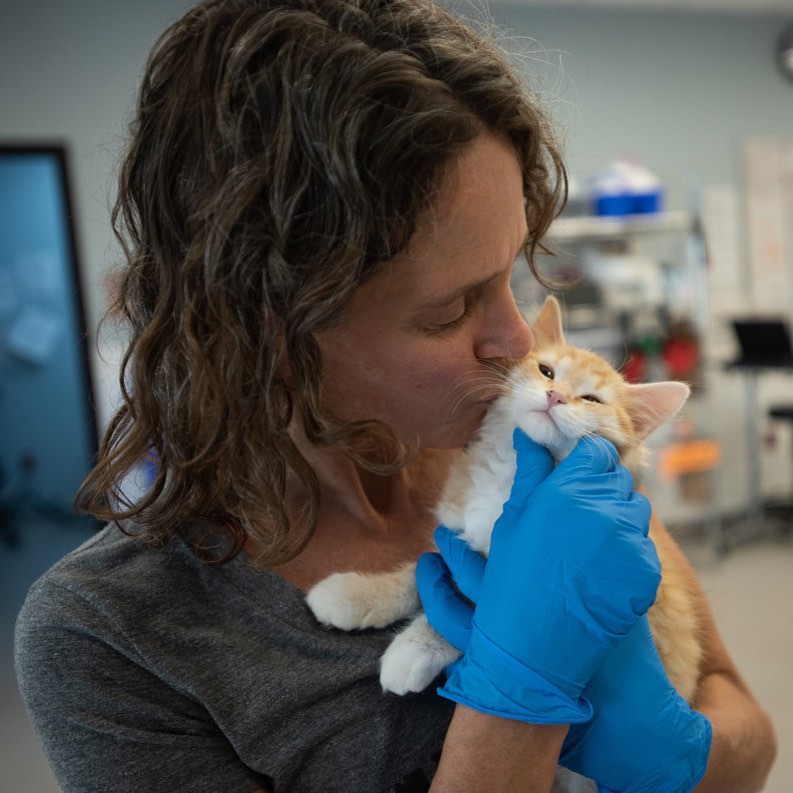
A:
[555,398]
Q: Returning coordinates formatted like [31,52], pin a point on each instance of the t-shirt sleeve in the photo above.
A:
[105,721]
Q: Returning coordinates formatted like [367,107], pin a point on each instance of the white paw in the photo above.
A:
[343,600]
[415,658]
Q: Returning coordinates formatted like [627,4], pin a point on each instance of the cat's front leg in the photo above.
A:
[353,601]
[416,656]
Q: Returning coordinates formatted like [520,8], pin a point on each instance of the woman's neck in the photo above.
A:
[365,521]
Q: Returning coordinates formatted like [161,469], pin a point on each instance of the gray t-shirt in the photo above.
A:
[147,670]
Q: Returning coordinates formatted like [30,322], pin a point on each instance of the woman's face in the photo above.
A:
[421,341]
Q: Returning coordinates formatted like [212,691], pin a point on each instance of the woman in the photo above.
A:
[321,206]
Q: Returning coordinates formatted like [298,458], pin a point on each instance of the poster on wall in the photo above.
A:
[768,165]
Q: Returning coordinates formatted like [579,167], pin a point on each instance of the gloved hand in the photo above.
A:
[441,578]
[643,737]
[570,571]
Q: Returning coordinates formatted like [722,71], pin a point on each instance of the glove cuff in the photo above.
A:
[686,762]
[490,680]
[701,738]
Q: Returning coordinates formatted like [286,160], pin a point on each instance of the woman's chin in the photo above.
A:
[456,434]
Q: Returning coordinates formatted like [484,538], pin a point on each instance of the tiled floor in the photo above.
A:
[751,590]
[751,593]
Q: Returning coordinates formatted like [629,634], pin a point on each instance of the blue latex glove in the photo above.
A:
[441,578]
[643,738]
[439,589]
[570,571]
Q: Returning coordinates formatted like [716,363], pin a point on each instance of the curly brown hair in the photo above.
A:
[281,151]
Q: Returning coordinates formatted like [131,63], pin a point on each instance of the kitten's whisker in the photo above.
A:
[472,384]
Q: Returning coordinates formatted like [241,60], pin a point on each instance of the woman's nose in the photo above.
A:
[509,338]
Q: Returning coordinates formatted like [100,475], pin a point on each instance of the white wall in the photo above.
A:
[680,90]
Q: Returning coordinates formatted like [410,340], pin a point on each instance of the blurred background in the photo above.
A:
[676,119]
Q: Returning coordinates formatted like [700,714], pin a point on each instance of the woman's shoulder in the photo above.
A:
[115,593]
[116,577]
[114,562]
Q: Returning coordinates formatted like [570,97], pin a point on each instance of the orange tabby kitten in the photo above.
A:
[556,395]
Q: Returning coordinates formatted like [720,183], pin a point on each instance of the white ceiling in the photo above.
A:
[744,6]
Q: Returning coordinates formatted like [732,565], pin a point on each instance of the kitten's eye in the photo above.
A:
[545,371]
[592,398]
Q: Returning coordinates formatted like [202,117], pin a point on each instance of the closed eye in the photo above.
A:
[592,398]
[545,371]
[445,327]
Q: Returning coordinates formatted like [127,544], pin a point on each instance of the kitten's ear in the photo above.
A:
[547,327]
[654,403]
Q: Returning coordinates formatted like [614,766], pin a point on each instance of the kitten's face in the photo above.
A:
[558,394]
[561,394]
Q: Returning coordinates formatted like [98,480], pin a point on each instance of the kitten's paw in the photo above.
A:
[414,659]
[405,670]
[347,601]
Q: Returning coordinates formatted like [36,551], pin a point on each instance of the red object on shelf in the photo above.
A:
[635,368]
[681,357]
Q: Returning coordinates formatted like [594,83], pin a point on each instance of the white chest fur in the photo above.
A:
[481,482]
